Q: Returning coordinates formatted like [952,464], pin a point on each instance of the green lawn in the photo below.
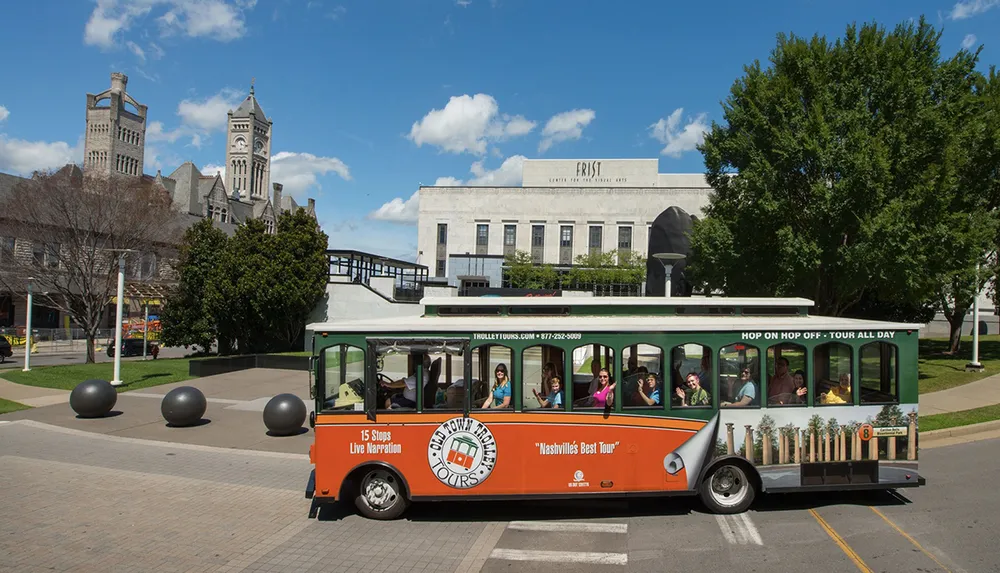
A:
[963,418]
[135,374]
[10,406]
[939,371]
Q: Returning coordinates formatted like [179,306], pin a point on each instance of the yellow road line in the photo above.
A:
[841,543]
[910,539]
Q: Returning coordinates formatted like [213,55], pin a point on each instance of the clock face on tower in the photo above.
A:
[240,144]
[258,147]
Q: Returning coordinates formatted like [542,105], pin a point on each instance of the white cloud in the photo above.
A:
[678,139]
[220,20]
[466,124]
[4,113]
[509,173]
[23,157]
[209,114]
[212,169]
[199,118]
[565,126]
[135,49]
[157,52]
[968,41]
[398,211]
[969,8]
[405,212]
[298,172]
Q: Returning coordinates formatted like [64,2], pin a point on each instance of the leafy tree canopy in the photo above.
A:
[853,167]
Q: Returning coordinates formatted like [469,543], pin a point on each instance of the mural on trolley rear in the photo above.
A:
[779,441]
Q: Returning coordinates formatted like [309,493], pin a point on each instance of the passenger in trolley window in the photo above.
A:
[500,395]
[695,395]
[648,391]
[748,391]
[799,381]
[605,394]
[554,399]
[548,373]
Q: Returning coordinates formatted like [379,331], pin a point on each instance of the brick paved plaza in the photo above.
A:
[127,493]
[115,494]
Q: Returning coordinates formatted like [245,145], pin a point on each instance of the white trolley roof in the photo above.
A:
[612,321]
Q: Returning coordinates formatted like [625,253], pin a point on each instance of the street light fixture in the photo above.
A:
[668,260]
[117,381]
[27,330]
[975,366]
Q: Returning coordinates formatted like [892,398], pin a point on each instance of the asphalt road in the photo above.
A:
[72,497]
[45,359]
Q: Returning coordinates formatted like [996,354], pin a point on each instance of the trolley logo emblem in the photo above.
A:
[462,453]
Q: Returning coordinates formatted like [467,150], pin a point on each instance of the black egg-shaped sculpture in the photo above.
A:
[284,414]
[183,406]
[93,398]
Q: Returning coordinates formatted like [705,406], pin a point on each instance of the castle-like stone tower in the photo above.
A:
[248,151]
[116,136]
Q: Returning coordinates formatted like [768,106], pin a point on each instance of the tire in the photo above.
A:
[380,494]
[728,488]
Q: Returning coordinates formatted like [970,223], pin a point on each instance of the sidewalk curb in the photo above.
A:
[927,438]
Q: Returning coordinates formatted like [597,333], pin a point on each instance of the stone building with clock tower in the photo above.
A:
[245,191]
[248,151]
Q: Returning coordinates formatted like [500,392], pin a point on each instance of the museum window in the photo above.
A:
[879,374]
[538,235]
[595,239]
[624,238]
[442,234]
[439,271]
[482,239]
[537,243]
[566,236]
[509,239]
[565,245]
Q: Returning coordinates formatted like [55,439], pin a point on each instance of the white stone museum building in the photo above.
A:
[563,208]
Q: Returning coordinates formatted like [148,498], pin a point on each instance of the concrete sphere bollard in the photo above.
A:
[284,414]
[183,406]
[93,398]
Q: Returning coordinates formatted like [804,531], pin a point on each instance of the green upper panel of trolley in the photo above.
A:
[614,314]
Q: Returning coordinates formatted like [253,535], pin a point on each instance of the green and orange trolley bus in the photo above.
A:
[574,397]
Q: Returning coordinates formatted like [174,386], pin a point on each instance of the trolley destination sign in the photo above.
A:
[757,335]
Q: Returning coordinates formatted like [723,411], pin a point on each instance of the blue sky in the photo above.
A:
[372,98]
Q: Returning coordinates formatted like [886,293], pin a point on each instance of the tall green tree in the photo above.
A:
[845,169]
[240,295]
[302,273]
[186,317]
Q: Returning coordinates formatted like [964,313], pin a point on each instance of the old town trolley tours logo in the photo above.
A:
[462,452]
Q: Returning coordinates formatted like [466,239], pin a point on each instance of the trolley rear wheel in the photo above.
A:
[728,489]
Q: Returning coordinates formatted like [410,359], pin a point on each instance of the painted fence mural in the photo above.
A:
[778,442]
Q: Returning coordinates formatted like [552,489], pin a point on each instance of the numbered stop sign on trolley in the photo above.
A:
[865,431]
